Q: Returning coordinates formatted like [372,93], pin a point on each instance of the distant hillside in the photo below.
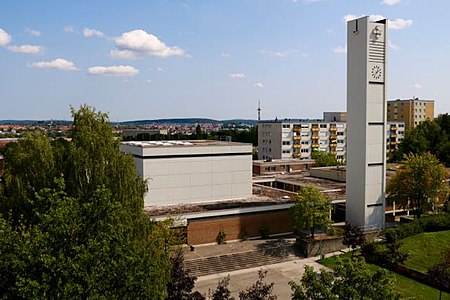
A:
[135,122]
[34,122]
[176,121]
[189,121]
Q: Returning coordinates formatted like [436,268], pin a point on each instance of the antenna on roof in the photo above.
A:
[259,110]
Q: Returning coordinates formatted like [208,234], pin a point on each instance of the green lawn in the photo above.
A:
[408,288]
[425,249]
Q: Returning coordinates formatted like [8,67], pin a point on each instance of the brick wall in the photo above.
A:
[203,231]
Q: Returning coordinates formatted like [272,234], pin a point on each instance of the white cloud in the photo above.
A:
[88,32]
[149,80]
[392,45]
[58,63]
[283,54]
[69,29]
[224,54]
[391,2]
[392,24]
[138,43]
[113,70]
[350,17]
[399,23]
[340,50]
[237,75]
[32,32]
[258,85]
[26,49]
[5,38]
[417,86]
[159,69]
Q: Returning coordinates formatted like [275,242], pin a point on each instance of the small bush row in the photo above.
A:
[426,224]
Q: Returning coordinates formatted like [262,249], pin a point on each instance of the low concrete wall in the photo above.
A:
[309,247]
[331,173]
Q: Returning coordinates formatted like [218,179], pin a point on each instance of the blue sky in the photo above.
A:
[215,59]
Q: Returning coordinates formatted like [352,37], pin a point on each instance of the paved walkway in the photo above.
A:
[280,273]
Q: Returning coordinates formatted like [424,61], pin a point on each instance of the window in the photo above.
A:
[323,133]
[286,151]
[305,150]
[305,142]
[286,126]
[286,142]
[305,126]
[340,141]
[340,133]
[323,125]
[304,134]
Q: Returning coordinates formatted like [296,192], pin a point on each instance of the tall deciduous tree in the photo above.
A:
[352,279]
[83,233]
[419,183]
[311,210]
[324,159]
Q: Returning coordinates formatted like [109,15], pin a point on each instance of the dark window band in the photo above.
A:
[376,82]
[376,123]
[193,155]
[373,205]
[374,164]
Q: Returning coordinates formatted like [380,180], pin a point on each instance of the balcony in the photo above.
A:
[333,137]
[297,138]
[393,135]
[315,129]
[333,128]
[315,137]
[297,146]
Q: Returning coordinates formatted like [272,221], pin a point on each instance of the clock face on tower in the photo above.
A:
[376,72]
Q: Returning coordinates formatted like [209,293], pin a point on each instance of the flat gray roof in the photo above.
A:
[185,143]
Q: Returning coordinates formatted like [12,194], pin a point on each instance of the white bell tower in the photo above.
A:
[366,123]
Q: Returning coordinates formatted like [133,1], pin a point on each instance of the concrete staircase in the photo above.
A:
[265,255]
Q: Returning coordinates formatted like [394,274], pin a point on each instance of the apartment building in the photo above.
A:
[410,111]
[285,139]
[288,138]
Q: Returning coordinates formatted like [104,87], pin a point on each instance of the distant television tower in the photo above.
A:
[259,111]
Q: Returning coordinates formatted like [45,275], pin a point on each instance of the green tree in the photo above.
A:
[429,136]
[352,279]
[324,159]
[222,292]
[440,273]
[353,237]
[83,233]
[314,285]
[311,210]
[419,184]
[29,167]
[181,281]
[259,290]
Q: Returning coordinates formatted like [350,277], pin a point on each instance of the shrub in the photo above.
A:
[427,224]
[264,231]
[243,235]
[221,236]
